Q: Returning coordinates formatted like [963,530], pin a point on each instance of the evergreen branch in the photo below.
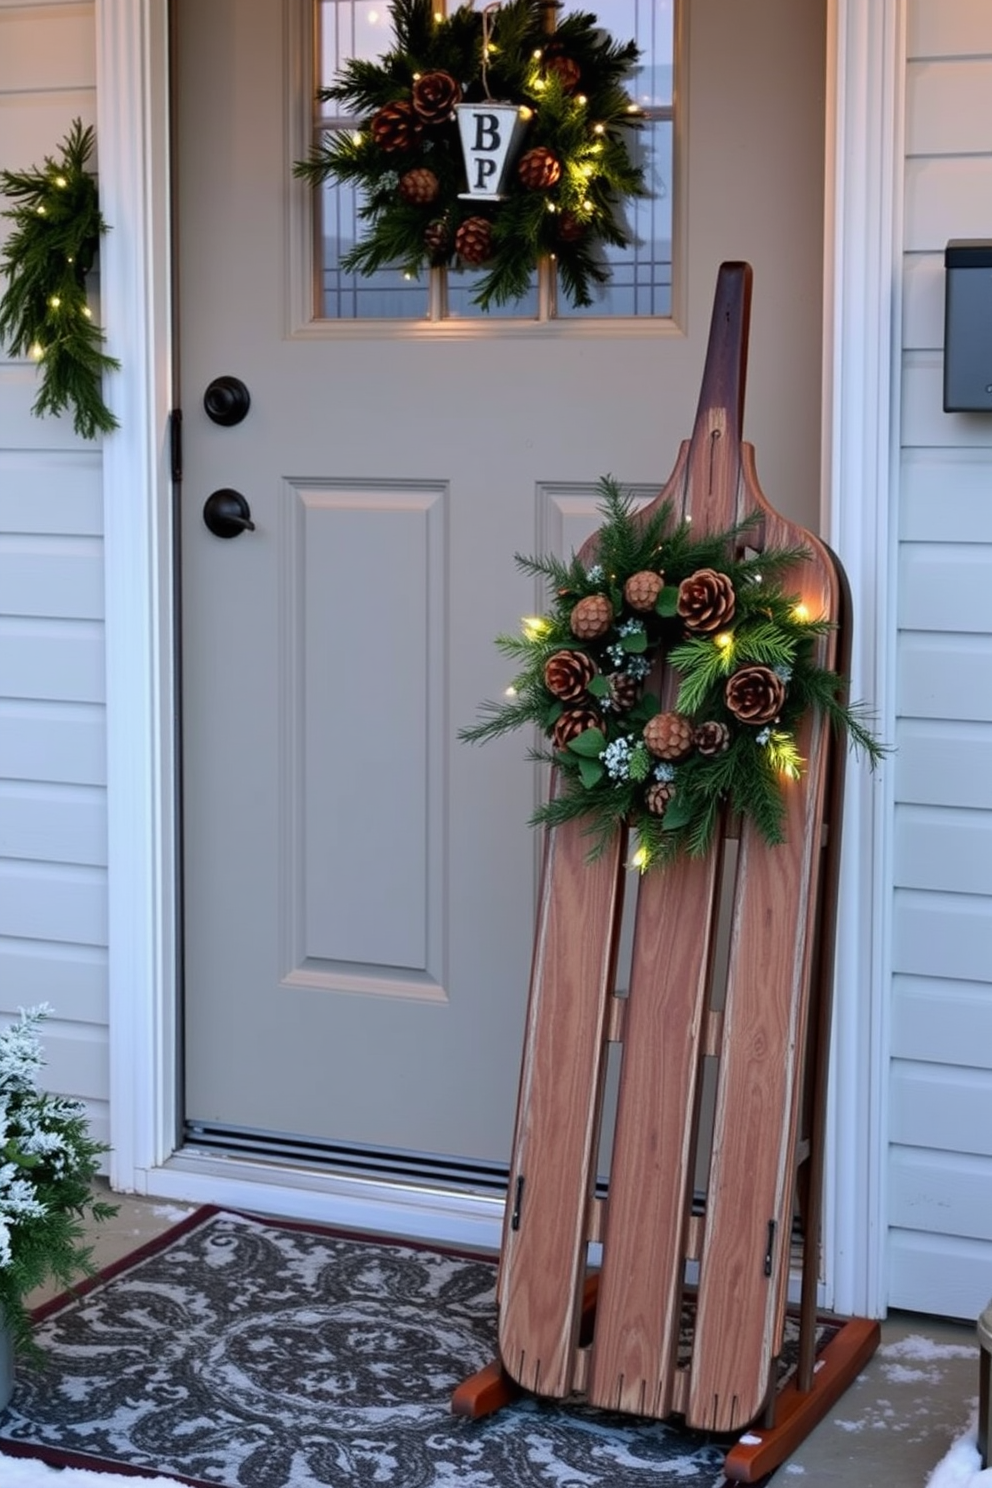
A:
[43,312]
[498,718]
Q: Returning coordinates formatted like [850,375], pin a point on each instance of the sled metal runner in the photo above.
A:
[723,1035]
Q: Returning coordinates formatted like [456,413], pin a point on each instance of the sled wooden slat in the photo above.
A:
[640,1286]
[552,1182]
[729,979]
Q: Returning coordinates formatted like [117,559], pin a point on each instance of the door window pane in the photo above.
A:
[640,275]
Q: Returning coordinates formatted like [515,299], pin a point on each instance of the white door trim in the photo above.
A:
[867,62]
[132,134]
[866,53]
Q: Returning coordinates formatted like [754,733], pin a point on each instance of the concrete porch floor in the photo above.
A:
[889,1430]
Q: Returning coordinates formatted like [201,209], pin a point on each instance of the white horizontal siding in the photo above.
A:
[56,660]
[56,902]
[53,823]
[942,586]
[923,302]
[943,1022]
[948,28]
[69,977]
[53,912]
[948,851]
[946,496]
[46,50]
[51,492]
[942,1274]
[947,106]
[941,1106]
[942,763]
[923,413]
[53,577]
[942,935]
[945,676]
[947,197]
[947,1193]
[58,742]
[32,125]
[76,1058]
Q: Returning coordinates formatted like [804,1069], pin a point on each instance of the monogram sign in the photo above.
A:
[490,135]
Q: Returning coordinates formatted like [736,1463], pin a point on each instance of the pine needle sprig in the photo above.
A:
[44,311]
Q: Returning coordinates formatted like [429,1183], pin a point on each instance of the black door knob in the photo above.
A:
[227,513]
[227,400]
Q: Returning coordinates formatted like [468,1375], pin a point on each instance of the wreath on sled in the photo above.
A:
[446,180]
[743,651]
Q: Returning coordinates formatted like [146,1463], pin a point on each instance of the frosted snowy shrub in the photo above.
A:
[47,1164]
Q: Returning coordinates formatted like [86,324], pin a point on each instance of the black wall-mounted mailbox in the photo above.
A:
[967,325]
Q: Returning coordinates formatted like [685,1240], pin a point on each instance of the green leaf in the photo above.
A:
[591,771]
[678,812]
[553,713]
[635,643]
[589,744]
[667,603]
[598,687]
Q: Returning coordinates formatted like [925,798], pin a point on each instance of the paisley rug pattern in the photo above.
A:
[250,1354]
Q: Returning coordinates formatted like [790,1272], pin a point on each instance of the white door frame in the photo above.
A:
[866,64]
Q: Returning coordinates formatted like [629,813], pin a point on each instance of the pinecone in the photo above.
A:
[567,674]
[755,694]
[538,168]
[591,617]
[437,240]
[669,736]
[712,738]
[474,240]
[565,68]
[396,127]
[435,95]
[570,228]
[624,690]
[572,723]
[642,589]
[657,797]
[706,601]
[419,187]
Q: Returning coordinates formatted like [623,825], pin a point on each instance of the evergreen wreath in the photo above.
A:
[744,654]
[563,194]
[43,311]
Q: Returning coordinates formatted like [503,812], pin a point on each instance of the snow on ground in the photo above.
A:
[24,1472]
[962,1467]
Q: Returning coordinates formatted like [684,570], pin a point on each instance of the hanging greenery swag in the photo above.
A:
[565,193]
[43,312]
[743,651]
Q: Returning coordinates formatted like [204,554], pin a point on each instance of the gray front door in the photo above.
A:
[359,887]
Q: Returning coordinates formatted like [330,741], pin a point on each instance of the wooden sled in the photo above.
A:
[730,972]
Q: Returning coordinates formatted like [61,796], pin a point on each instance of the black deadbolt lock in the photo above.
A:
[227,400]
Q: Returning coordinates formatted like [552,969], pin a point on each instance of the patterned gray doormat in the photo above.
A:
[254,1354]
